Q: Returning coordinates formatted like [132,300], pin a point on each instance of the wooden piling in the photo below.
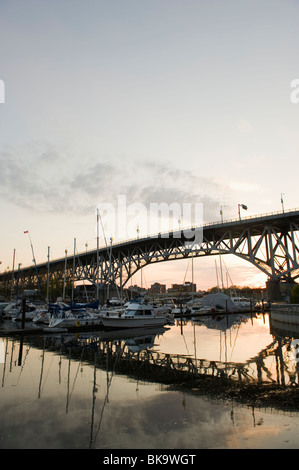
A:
[23,312]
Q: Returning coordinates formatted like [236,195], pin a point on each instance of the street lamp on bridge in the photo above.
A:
[221,212]
[243,207]
[282,202]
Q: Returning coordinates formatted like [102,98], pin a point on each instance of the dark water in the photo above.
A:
[93,391]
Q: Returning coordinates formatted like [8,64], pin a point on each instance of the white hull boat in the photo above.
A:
[70,320]
[242,303]
[14,311]
[135,316]
[42,316]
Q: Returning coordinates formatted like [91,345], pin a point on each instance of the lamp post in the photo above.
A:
[64,278]
[243,206]
[282,202]
[221,212]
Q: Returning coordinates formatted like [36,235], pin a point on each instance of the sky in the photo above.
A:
[160,101]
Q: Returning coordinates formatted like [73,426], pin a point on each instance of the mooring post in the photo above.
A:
[23,312]
[20,350]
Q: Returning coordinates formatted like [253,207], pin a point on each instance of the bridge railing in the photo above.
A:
[163,234]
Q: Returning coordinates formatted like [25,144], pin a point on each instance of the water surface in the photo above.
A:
[114,391]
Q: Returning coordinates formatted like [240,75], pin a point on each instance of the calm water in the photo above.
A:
[88,391]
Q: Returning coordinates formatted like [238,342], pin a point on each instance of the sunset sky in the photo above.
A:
[158,100]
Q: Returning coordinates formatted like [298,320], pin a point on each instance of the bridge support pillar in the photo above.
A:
[273,290]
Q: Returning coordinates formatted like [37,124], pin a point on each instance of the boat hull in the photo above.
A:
[122,322]
[72,322]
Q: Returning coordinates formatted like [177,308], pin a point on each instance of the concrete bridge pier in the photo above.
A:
[273,290]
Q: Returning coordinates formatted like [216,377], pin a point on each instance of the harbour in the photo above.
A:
[102,350]
[153,388]
[149,238]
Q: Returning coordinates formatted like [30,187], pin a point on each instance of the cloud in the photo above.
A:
[41,177]
[245,127]
[245,186]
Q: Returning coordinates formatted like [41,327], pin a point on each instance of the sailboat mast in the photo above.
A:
[34,261]
[98,264]
[48,275]
[64,278]
[74,259]
[13,273]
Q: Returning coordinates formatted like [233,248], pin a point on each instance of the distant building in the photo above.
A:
[157,288]
[137,290]
[186,288]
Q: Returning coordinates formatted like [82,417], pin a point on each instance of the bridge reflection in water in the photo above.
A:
[59,387]
[133,354]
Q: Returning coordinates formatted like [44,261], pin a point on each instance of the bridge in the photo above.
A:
[269,242]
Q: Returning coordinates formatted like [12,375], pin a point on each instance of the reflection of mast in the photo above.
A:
[59,368]
[69,394]
[41,372]
[94,390]
[106,400]
[4,365]
[68,387]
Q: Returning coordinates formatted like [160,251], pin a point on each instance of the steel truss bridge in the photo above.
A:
[269,242]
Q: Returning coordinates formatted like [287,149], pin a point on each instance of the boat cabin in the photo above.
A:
[136,310]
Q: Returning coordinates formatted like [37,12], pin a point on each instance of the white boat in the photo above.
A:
[42,316]
[220,302]
[14,310]
[242,303]
[200,309]
[70,319]
[136,315]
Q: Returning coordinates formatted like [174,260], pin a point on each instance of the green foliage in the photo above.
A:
[295,295]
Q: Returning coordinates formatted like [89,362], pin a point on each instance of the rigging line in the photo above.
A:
[227,272]
[186,270]
[103,231]
[235,341]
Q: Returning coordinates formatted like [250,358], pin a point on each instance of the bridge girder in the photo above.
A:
[270,243]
